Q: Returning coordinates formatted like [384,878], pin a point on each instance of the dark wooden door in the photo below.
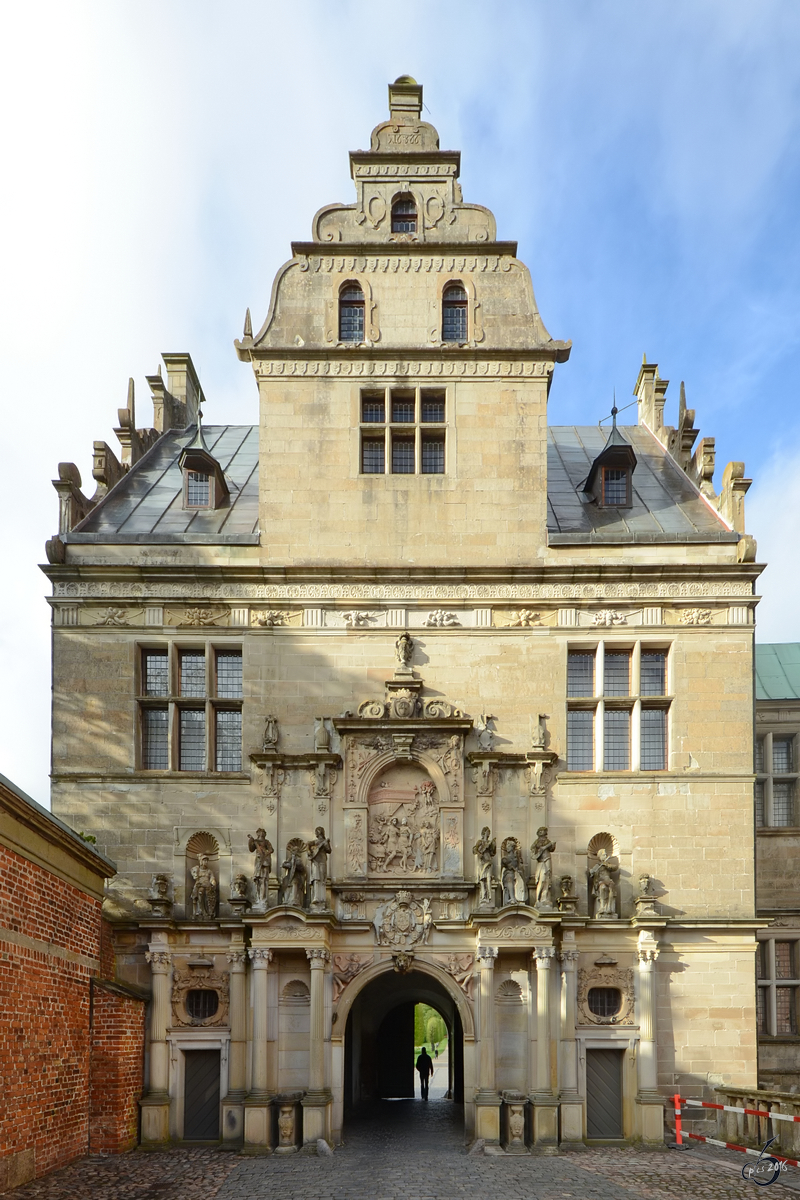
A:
[201,1096]
[395,1051]
[604,1093]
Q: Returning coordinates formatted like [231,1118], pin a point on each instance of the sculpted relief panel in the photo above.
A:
[403,823]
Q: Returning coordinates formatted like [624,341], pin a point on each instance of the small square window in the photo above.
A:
[617,740]
[432,408]
[615,486]
[229,676]
[192,739]
[653,674]
[782,755]
[761,1009]
[760,754]
[760,804]
[786,1010]
[784,960]
[580,740]
[617,674]
[229,740]
[403,410]
[402,456]
[373,409]
[762,961]
[198,490]
[654,739]
[155,739]
[580,674]
[432,456]
[155,670]
[373,456]
[193,673]
[782,803]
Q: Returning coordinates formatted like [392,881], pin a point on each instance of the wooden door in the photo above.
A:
[604,1093]
[201,1096]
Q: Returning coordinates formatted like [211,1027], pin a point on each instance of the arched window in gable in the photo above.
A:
[351,313]
[404,215]
[454,313]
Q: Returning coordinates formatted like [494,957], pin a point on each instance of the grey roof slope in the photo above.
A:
[778,671]
[147,503]
[666,506]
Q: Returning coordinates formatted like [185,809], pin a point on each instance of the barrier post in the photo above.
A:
[677,1101]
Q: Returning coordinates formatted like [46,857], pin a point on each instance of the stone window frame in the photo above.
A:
[634,703]
[768,983]
[767,776]
[210,703]
[418,429]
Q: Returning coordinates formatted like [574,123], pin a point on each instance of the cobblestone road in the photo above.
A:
[405,1150]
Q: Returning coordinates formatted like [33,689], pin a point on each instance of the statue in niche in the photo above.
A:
[485,849]
[318,852]
[541,851]
[271,734]
[539,739]
[403,650]
[514,890]
[604,889]
[204,891]
[293,884]
[484,732]
[262,866]
[322,736]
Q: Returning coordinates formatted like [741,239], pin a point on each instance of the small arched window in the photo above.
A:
[351,313]
[454,314]
[404,215]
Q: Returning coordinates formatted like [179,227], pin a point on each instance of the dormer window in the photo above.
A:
[204,483]
[454,314]
[351,313]
[404,215]
[616,487]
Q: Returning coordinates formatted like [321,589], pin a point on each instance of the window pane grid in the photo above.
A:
[654,739]
[781,755]
[761,1009]
[433,456]
[782,803]
[617,674]
[617,740]
[786,1010]
[762,960]
[760,754]
[403,411]
[454,322]
[192,739]
[229,676]
[229,740]
[404,216]
[373,456]
[760,819]
[615,486]
[193,673]
[373,410]
[580,675]
[580,740]
[653,675]
[432,409]
[784,966]
[403,456]
[198,489]
[156,674]
[155,739]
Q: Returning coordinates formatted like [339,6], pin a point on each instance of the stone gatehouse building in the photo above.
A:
[405,694]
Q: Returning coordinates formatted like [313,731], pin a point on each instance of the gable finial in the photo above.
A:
[248,324]
[614,411]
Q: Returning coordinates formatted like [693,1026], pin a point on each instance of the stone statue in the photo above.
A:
[565,885]
[403,649]
[159,896]
[293,884]
[485,734]
[514,890]
[204,891]
[539,739]
[485,849]
[541,850]
[322,736]
[645,885]
[262,866]
[604,889]
[239,887]
[271,733]
[318,852]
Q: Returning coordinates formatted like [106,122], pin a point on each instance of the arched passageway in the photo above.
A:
[379,1051]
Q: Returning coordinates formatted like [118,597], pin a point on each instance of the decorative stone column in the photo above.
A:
[233,1103]
[545,1110]
[571,1105]
[487,1101]
[258,1105]
[649,1099]
[155,1105]
[318,1098]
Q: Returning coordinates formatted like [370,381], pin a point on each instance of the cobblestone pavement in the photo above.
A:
[406,1150]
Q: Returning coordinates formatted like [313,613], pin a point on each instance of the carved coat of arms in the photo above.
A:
[403,922]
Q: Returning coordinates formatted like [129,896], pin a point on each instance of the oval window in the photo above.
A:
[605,1002]
[201,1004]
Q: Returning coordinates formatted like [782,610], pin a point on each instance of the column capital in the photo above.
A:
[648,954]
[261,957]
[543,956]
[487,955]
[160,961]
[318,957]
[237,958]
[568,958]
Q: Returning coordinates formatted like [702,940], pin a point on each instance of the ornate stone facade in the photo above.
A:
[534,701]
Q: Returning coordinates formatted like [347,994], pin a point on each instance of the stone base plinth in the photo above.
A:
[316,1117]
[544,1126]
[571,1125]
[487,1118]
[155,1120]
[651,1119]
[232,1122]
[258,1137]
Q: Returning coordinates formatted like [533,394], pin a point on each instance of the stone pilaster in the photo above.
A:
[571,1105]
[649,1099]
[487,1101]
[233,1104]
[545,1110]
[317,1100]
[155,1105]
[258,1105]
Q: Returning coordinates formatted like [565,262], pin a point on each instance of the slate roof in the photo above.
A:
[666,506]
[778,671]
[146,505]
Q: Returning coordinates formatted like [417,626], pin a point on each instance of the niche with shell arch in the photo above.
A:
[296,992]
[603,842]
[294,1021]
[202,845]
[509,992]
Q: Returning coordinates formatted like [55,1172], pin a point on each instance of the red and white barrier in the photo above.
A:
[751,1112]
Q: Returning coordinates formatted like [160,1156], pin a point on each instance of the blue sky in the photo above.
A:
[160,156]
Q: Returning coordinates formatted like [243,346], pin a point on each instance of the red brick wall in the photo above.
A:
[117,1062]
[50,947]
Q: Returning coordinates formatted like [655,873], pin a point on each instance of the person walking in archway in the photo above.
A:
[425,1068]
